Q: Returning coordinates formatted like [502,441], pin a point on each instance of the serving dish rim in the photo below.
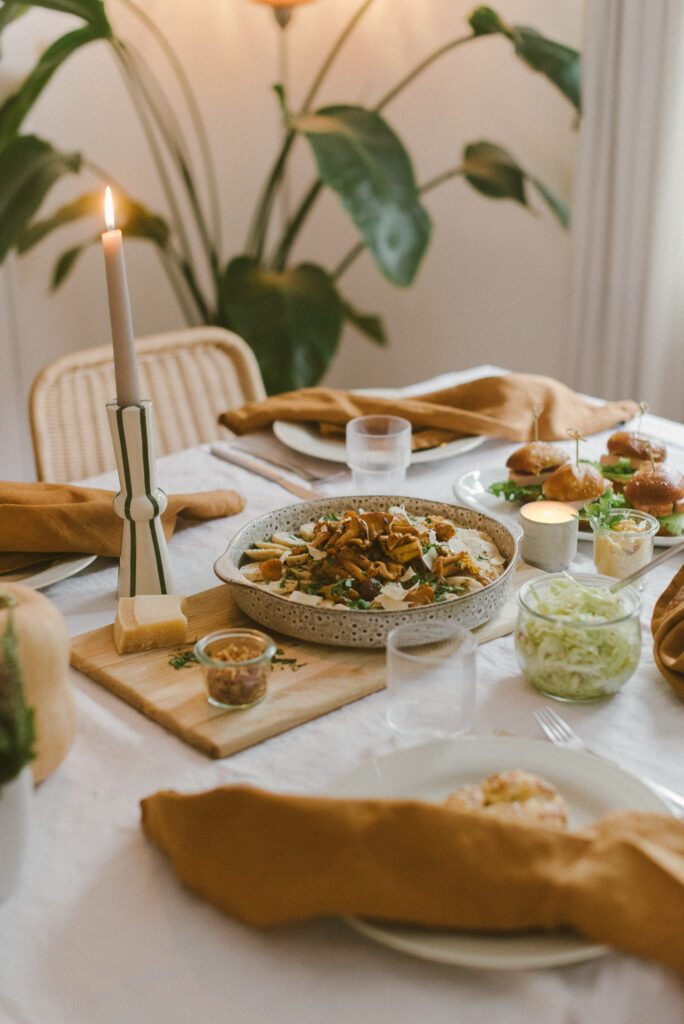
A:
[420,609]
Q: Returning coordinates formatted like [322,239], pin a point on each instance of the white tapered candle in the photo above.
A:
[123,342]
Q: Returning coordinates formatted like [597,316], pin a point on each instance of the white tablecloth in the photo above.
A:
[101,932]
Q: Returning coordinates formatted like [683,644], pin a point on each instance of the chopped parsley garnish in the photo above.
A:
[330,517]
[601,508]
[183,659]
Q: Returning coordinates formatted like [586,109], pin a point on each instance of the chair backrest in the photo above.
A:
[191,376]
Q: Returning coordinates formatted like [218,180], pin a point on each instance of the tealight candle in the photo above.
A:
[550,530]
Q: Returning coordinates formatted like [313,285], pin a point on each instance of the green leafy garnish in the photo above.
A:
[601,509]
[620,470]
[17,727]
[183,659]
[330,517]
[673,524]
[510,491]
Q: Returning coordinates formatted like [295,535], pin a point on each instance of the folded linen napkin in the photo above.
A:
[266,859]
[667,626]
[498,406]
[38,519]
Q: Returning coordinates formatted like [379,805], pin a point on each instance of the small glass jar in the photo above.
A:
[623,541]
[237,666]
[577,655]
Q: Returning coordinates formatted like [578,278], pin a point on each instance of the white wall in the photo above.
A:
[494,286]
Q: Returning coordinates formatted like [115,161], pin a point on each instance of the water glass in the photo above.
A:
[378,453]
[431,675]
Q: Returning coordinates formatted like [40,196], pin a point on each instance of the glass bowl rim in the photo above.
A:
[580,577]
[627,513]
[468,646]
[228,633]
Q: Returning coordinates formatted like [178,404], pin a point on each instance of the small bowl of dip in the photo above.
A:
[623,541]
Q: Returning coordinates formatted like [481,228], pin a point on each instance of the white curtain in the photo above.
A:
[627,317]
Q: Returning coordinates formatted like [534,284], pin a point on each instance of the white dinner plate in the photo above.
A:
[471,489]
[305,439]
[61,569]
[590,786]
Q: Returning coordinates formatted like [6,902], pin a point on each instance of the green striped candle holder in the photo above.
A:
[144,564]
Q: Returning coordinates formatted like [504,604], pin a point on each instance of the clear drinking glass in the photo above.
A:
[378,453]
[431,677]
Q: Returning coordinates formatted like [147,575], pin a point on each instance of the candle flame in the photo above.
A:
[110,219]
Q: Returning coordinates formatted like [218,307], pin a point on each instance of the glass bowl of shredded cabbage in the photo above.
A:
[575,640]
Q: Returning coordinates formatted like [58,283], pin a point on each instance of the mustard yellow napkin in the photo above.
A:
[267,859]
[38,519]
[495,406]
[667,626]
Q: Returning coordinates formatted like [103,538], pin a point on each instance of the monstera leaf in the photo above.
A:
[135,220]
[292,319]
[91,11]
[495,173]
[560,64]
[365,163]
[29,167]
[16,107]
[366,323]
[10,11]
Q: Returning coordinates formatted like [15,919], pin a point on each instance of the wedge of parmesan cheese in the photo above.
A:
[146,622]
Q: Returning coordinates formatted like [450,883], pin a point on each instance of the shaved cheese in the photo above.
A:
[394,591]
[299,597]
[467,581]
[430,557]
[390,604]
[287,540]
[307,531]
[315,553]
[252,572]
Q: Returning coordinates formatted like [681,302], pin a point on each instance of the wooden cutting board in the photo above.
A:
[321,680]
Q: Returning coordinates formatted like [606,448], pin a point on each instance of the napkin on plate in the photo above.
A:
[266,859]
[39,519]
[498,406]
[667,626]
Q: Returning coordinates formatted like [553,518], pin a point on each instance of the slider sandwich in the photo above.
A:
[528,468]
[659,490]
[629,452]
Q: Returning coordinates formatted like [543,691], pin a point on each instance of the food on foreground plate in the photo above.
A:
[659,490]
[575,484]
[387,560]
[513,794]
[628,452]
[575,639]
[147,622]
[528,468]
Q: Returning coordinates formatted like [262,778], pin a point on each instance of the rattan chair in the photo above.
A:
[191,376]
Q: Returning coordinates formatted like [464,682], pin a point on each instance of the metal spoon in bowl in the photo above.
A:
[676,549]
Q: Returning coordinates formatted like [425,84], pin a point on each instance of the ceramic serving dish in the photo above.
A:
[345,628]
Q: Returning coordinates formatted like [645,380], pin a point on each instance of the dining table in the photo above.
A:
[101,931]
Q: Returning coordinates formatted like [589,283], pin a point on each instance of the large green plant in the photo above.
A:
[292,316]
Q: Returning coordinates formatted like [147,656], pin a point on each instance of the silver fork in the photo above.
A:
[559,732]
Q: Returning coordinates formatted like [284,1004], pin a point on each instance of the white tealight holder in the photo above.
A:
[144,564]
[550,532]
